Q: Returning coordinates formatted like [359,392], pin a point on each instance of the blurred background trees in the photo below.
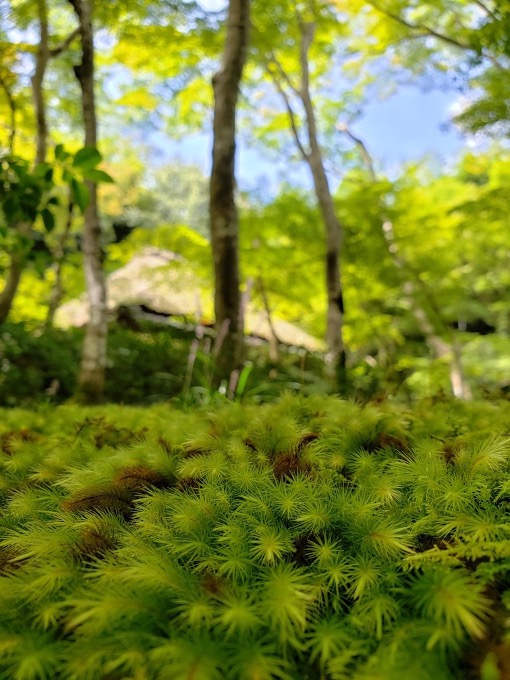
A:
[421,307]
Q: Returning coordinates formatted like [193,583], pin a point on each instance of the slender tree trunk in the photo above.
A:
[42,58]
[14,271]
[12,279]
[19,257]
[57,292]
[274,342]
[11,102]
[222,205]
[92,370]
[335,358]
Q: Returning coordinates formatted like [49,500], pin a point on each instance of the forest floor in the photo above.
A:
[307,538]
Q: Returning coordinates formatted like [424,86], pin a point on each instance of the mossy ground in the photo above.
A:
[310,538]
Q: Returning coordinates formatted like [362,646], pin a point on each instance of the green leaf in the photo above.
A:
[43,171]
[54,200]
[48,219]
[67,177]
[81,195]
[11,208]
[98,176]
[87,158]
[60,153]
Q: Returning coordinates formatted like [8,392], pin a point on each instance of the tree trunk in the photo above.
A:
[19,257]
[57,291]
[335,358]
[42,58]
[93,363]
[14,271]
[222,205]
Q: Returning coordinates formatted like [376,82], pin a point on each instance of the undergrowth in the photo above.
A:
[309,539]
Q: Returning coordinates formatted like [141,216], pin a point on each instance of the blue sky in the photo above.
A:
[408,126]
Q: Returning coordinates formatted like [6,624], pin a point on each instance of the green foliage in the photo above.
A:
[25,193]
[308,538]
[144,367]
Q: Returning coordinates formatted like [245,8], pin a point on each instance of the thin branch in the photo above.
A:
[365,153]
[486,9]
[422,28]
[424,31]
[307,35]
[290,111]
[64,45]
[285,75]
[12,108]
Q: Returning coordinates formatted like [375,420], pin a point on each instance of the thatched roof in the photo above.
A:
[163,282]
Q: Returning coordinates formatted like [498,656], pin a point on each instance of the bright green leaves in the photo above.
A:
[24,192]
[286,596]
[451,599]
[28,193]
[383,537]
[80,168]
[239,613]
[328,638]
[86,158]
[79,192]
[269,546]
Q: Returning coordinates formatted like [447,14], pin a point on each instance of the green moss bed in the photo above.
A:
[311,539]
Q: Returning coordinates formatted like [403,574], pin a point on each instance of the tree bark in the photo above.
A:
[222,205]
[335,358]
[42,58]
[14,271]
[57,292]
[93,363]
[311,153]
[11,102]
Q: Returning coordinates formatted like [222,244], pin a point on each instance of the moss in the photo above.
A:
[305,538]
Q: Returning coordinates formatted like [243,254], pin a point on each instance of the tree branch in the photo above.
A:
[64,45]
[360,144]
[290,111]
[285,75]
[485,9]
[423,30]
